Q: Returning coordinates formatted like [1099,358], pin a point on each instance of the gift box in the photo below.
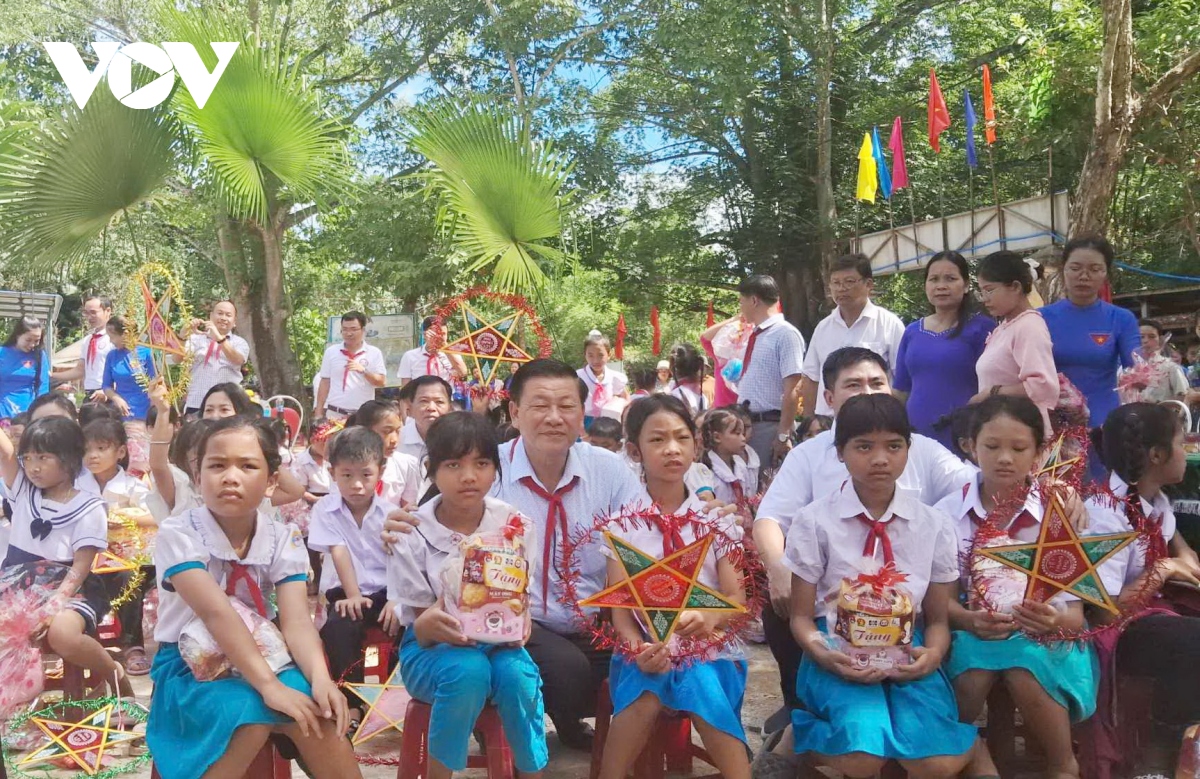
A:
[874,623]
[486,582]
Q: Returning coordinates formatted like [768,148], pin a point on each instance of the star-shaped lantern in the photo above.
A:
[84,742]
[107,562]
[386,704]
[661,589]
[489,343]
[157,333]
[1061,560]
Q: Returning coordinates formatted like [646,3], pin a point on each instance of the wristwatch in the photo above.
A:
[222,340]
[783,438]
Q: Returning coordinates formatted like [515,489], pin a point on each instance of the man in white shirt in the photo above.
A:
[350,370]
[427,360]
[95,347]
[771,370]
[217,354]
[813,470]
[855,322]
[429,397]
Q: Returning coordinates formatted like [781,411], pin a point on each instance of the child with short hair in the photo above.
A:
[855,719]
[347,525]
[723,434]
[55,522]
[439,665]
[813,426]
[105,458]
[606,434]
[603,383]
[662,438]
[229,550]
[993,643]
[644,380]
[401,480]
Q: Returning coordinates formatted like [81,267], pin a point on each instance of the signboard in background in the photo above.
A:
[392,334]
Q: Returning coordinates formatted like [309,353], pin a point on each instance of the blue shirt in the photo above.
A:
[18,375]
[1090,344]
[120,376]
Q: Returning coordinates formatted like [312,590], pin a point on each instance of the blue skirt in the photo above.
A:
[192,722]
[896,720]
[711,690]
[1068,672]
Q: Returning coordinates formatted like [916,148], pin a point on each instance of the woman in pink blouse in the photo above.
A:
[1018,358]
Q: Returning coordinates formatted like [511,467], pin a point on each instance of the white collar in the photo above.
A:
[1120,488]
[335,504]
[904,504]
[496,514]
[409,433]
[973,500]
[870,311]
[770,322]
[262,545]
[520,467]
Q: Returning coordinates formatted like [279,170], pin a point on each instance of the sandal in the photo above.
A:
[136,662]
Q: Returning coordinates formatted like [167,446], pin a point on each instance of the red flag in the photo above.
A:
[939,116]
[620,350]
[657,347]
[989,107]
[899,165]
[712,320]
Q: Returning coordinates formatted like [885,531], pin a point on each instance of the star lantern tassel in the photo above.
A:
[661,589]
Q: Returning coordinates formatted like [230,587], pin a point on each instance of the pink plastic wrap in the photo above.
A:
[207,660]
[23,614]
[486,582]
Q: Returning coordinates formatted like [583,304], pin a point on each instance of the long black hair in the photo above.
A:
[1130,433]
[966,307]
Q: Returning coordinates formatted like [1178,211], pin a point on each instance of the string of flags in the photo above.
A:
[874,177]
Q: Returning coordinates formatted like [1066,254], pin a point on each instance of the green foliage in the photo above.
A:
[307,330]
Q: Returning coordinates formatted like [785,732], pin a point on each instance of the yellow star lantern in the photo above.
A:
[386,704]
[84,743]
[489,343]
[154,299]
[661,589]
[1061,560]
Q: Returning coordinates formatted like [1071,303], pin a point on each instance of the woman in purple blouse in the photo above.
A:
[935,365]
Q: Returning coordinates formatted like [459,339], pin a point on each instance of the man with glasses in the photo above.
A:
[855,322]
[350,371]
[95,347]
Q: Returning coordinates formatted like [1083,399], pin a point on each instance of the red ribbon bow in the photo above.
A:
[514,529]
[885,577]
[877,534]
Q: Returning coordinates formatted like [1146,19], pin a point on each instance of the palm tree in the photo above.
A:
[502,194]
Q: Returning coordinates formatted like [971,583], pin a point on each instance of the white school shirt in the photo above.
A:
[826,542]
[695,401]
[1129,563]
[194,540]
[122,490]
[331,524]
[614,382]
[314,476]
[412,444]
[350,389]
[401,479]
[62,528]
[744,472]
[778,354]
[207,372]
[414,569]
[417,362]
[604,484]
[93,370]
[812,470]
[876,329]
[187,497]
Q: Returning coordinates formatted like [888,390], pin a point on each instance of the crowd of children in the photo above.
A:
[239,536]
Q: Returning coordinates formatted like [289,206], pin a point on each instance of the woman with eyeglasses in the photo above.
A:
[1019,357]
[24,367]
[1093,339]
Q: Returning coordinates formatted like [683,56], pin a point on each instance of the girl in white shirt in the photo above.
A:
[603,383]
[687,371]
[106,455]
[662,438]
[439,665]
[734,465]
[205,557]
[857,718]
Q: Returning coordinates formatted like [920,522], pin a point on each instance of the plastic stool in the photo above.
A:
[670,747]
[379,656]
[268,764]
[414,748]
[108,632]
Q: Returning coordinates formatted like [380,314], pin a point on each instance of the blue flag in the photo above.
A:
[972,159]
[885,177]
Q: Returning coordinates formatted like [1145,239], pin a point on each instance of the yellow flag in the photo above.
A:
[868,176]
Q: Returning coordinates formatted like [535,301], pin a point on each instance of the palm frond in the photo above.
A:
[502,194]
[262,131]
[66,182]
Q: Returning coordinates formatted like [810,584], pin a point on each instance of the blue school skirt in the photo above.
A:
[192,722]
[711,690]
[1069,672]
[896,720]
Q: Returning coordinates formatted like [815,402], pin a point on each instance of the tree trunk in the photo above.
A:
[1112,129]
[826,202]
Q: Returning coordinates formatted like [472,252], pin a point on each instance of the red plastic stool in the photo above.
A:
[414,748]
[268,764]
[379,656]
[108,632]
[670,747]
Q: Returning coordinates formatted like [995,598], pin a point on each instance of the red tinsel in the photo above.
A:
[605,636]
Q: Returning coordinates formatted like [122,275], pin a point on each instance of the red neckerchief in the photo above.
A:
[349,358]
[239,572]
[214,349]
[93,347]
[555,511]
[433,366]
[669,525]
[876,534]
[750,349]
